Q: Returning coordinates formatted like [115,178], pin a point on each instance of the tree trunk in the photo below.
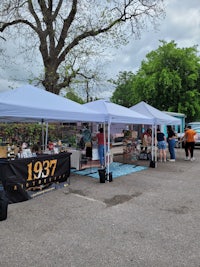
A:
[51,80]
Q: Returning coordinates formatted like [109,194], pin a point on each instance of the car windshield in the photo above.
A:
[196,130]
[194,124]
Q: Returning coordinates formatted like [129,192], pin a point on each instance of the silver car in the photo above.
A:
[195,124]
[180,143]
[197,137]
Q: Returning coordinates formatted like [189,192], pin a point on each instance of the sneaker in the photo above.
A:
[172,160]
[187,158]
[192,159]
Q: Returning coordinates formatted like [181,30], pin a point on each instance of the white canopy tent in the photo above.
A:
[117,114]
[159,117]
[29,103]
[32,104]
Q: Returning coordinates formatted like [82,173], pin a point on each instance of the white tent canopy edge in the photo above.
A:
[115,113]
[29,103]
[159,117]
[32,104]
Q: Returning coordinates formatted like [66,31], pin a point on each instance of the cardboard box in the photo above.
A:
[3,151]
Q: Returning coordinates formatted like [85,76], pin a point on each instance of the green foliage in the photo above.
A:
[74,97]
[31,133]
[168,79]
[72,140]
[124,91]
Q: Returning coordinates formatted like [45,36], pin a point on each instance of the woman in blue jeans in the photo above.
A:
[100,139]
[171,143]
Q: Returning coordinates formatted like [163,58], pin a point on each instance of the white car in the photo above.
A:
[179,143]
[197,137]
[195,124]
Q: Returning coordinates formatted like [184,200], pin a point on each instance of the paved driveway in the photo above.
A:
[146,219]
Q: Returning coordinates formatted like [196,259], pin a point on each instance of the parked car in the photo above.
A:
[197,139]
[180,136]
[179,143]
[195,124]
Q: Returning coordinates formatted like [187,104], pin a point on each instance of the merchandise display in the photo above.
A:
[26,165]
[29,162]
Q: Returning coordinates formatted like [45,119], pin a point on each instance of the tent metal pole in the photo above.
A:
[46,135]
[156,144]
[152,141]
[104,133]
[108,154]
[42,135]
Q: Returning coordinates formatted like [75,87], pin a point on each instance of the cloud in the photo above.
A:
[181,24]
[7,84]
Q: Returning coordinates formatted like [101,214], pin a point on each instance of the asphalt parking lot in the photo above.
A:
[145,219]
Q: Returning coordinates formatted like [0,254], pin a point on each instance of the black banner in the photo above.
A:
[26,173]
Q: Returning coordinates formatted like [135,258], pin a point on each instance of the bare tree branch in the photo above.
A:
[63,27]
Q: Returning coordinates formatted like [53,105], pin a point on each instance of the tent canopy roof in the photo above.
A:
[29,103]
[118,114]
[159,117]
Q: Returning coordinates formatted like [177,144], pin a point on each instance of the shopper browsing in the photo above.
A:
[147,139]
[171,143]
[190,142]
[161,139]
[101,144]
[87,138]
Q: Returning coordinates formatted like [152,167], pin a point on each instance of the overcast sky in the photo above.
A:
[181,24]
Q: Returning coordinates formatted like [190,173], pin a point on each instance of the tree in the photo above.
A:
[74,97]
[169,79]
[64,31]
[123,93]
[86,82]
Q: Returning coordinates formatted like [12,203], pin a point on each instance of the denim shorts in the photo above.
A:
[161,145]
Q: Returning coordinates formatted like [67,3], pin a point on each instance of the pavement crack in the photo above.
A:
[178,210]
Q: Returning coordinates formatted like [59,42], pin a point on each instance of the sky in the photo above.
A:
[181,24]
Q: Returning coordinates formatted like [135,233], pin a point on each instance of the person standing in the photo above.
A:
[146,139]
[87,138]
[183,139]
[190,142]
[171,143]
[101,144]
[161,139]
